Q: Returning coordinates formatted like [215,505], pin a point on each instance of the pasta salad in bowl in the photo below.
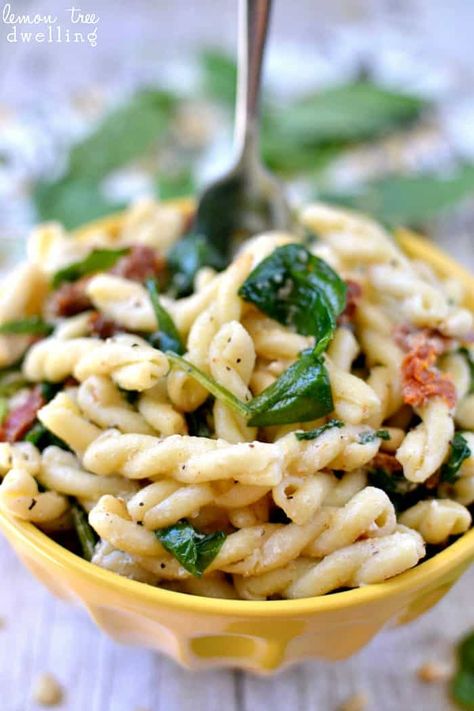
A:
[255,433]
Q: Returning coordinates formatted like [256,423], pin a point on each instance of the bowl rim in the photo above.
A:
[420,576]
[457,554]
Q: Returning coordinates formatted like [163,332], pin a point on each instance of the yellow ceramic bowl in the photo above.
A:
[259,636]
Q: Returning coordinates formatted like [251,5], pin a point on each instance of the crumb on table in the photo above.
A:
[47,691]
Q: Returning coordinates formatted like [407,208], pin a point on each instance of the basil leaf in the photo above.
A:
[314,434]
[96,261]
[297,289]
[85,533]
[194,550]
[186,258]
[41,437]
[199,421]
[3,409]
[30,325]
[460,451]
[470,361]
[301,393]
[371,436]
[462,685]
[209,384]
[167,338]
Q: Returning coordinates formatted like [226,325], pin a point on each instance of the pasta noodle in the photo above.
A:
[305,426]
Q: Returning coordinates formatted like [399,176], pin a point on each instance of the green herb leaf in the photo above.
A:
[10,383]
[96,261]
[194,550]
[31,325]
[72,201]
[401,492]
[462,686]
[167,337]
[306,134]
[470,361]
[371,436]
[85,533]
[126,133]
[460,451]
[219,76]
[301,393]
[176,185]
[199,421]
[186,258]
[318,431]
[297,289]
[409,200]
[3,409]
[219,392]
[41,437]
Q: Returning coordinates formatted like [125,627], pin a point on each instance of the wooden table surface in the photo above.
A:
[41,634]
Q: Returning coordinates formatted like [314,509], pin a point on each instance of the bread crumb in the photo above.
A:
[47,691]
[432,672]
[356,702]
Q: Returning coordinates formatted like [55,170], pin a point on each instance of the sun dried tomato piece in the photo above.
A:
[421,379]
[70,299]
[140,263]
[388,462]
[21,418]
[103,327]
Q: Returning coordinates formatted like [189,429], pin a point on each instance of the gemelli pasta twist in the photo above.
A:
[295,422]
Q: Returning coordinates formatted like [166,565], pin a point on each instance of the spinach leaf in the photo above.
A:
[401,492]
[409,200]
[96,261]
[3,409]
[85,533]
[10,383]
[186,258]
[194,550]
[199,421]
[125,134]
[460,451]
[470,361]
[181,184]
[301,393]
[41,437]
[462,685]
[219,76]
[49,390]
[371,436]
[167,338]
[314,434]
[72,201]
[30,325]
[297,289]
[209,384]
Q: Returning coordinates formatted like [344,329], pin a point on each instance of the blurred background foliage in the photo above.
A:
[365,132]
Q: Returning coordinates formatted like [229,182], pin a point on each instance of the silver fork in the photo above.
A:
[247,199]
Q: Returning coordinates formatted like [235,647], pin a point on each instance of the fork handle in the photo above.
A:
[253,25]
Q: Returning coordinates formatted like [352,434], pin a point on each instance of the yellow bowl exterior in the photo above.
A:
[258,636]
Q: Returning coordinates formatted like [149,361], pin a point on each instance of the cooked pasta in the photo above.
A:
[298,423]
